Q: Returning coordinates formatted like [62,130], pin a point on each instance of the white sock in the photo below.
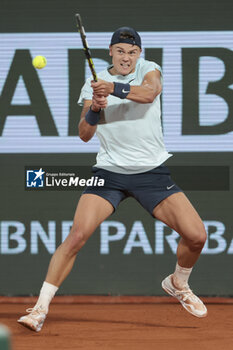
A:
[181,276]
[47,293]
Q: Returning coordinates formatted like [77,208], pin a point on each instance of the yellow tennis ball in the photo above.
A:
[39,62]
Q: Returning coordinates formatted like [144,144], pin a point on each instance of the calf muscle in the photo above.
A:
[90,212]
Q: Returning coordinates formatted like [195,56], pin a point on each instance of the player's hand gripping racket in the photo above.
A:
[85,45]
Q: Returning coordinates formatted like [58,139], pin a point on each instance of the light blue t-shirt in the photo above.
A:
[131,139]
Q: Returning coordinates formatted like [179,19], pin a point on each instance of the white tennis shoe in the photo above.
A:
[186,297]
[34,320]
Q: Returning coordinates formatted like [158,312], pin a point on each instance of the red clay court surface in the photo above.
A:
[121,323]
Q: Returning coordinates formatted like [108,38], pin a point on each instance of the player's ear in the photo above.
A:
[110,50]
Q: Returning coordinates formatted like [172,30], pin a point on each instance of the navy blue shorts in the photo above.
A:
[148,188]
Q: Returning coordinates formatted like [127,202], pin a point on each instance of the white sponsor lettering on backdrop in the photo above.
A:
[49,240]
[18,131]
[219,242]
[8,238]
[111,234]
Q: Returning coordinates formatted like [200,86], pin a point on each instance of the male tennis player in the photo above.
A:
[123,109]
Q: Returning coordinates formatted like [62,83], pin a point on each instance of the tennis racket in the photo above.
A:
[85,45]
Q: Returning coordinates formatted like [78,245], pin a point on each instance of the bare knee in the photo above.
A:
[76,240]
[197,242]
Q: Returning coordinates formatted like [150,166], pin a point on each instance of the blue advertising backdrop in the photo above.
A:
[130,252]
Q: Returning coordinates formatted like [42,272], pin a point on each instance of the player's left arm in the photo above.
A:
[148,90]
[145,93]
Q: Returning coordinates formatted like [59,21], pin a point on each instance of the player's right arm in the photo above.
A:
[86,131]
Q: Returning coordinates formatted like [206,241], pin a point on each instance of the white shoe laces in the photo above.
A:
[35,311]
[187,294]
